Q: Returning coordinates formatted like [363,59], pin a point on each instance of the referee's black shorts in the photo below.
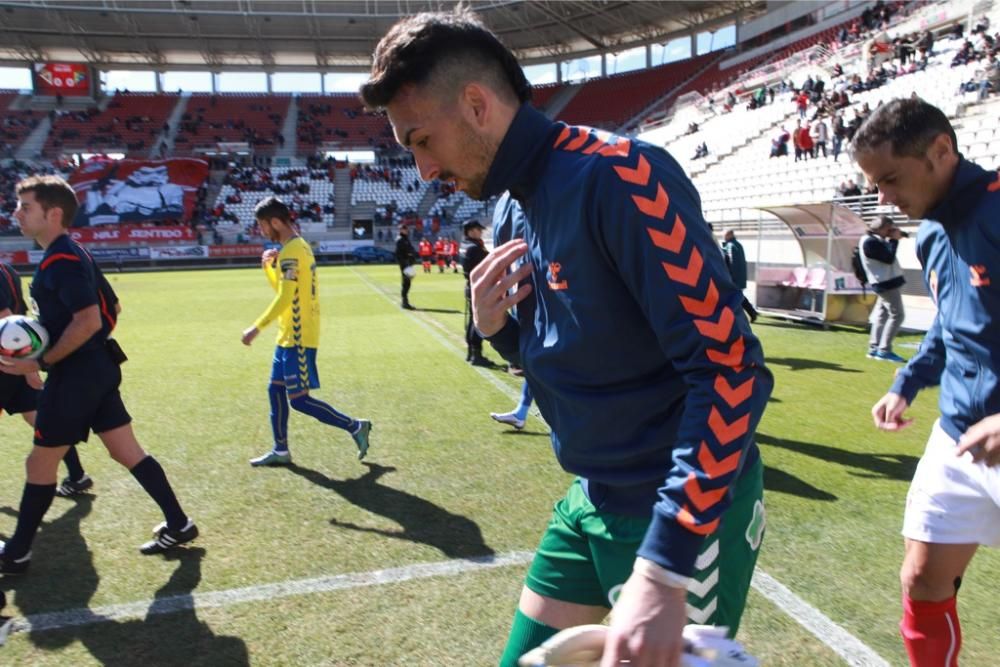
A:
[80,395]
[16,396]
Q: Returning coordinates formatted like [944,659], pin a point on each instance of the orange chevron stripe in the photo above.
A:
[687,275]
[685,519]
[577,143]
[702,500]
[713,467]
[672,241]
[602,141]
[726,433]
[732,358]
[563,136]
[619,149]
[733,395]
[718,330]
[995,185]
[654,208]
[702,307]
[637,176]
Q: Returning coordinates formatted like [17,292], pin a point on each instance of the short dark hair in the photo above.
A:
[446,47]
[909,125]
[272,207]
[52,192]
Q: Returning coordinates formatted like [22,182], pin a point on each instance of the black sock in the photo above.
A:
[73,465]
[35,502]
[152,478]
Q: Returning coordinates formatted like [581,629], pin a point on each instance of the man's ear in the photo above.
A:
[477,103]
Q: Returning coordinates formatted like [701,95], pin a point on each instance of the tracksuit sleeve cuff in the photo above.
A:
[907,386]
[507,341]
[671,546]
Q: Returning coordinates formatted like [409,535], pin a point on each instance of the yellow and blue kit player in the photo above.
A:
[292,273]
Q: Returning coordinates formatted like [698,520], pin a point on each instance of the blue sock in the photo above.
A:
[279,415]
[525,405]
[35,502]
[323,412]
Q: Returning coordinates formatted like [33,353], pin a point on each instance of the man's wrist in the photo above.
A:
[42,364]
[659,574]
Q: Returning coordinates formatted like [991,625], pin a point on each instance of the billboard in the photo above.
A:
[66,79]
[132,233]
[117,191]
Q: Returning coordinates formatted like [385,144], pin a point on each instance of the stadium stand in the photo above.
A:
[254,119]
[339,120]
[130,123]
[16,124]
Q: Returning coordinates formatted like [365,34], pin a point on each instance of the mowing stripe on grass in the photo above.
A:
[843,643]
[264,592]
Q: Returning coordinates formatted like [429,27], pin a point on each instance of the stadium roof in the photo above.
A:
[307,35]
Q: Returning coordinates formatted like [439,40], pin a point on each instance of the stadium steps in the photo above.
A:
[290,130]
[559,101]
[342,193]
[665,100]
[426,202]
[174,119]
[31,147]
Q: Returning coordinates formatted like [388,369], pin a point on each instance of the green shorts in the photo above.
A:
[586,555]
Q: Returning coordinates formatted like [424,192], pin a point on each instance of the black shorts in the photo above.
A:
[16,396]
[80,395]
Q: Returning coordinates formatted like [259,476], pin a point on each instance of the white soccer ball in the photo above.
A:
[22,337]
[410,271]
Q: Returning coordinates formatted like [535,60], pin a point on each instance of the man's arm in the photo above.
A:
[650,220]
[82,327]
[287,283]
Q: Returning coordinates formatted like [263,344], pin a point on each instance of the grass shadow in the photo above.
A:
[422,521]
[794,364]
[877,466]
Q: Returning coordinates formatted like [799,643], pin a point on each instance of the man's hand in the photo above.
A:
[491,280]
[12,366]
[268,257]
[646,625]
[34,380]
[982,440]
[888,413]
[249,335]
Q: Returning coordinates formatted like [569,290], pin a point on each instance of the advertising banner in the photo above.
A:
[129,233]
[14,256]
[178,252]
[334,247]
[120,191]
[241,250]
[119,254]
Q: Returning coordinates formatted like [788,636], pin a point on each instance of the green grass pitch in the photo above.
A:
[442,482]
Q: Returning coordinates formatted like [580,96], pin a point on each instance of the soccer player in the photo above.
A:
[292,274]
[473,252]
[630,333]
[441,252]
[19,395]
[426,251]
[79,309]
[518,415]
[907,148]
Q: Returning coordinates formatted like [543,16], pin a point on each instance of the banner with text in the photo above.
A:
[179,252]
[129,233]
[242,250]
[117,191]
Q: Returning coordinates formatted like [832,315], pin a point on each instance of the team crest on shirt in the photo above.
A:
[290,269]
[552,277]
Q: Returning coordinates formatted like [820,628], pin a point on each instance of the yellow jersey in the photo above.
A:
[296,304]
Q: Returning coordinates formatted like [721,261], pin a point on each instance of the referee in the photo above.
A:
[78,308]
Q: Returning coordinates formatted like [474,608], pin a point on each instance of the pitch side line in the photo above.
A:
[855,652]
[264,592]
[842,642]
[440,337]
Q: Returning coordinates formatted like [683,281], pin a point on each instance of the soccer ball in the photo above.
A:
[410,271]
[22,337]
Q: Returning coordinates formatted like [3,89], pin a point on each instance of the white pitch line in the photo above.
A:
[514,395]
[842,642]
[265,592]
